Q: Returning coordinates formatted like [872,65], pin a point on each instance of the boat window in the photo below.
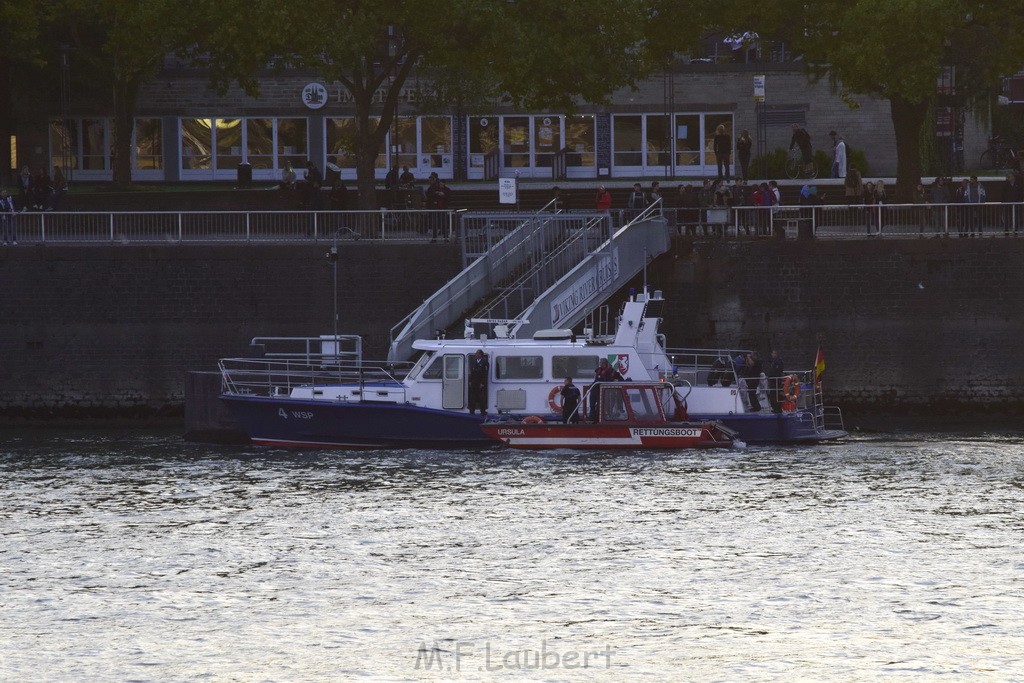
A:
[519,367]
[612,407]
[644,405]
[573,366]
[453,367]
[435,369]
[421,362]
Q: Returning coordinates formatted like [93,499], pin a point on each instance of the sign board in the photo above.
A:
[759,88]
[507,191]
[314,95]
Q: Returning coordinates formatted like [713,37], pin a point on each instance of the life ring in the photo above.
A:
[533,420]
[791,388]
[556,406]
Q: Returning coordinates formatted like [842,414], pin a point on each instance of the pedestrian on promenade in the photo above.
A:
[8,218]
[743,147]
[838,155]
[723,151]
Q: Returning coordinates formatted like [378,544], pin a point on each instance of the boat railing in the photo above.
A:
[279,376]
[324,348]
[705,367]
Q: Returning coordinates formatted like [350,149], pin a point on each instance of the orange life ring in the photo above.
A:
[791,388]
[533,420]
[555,406]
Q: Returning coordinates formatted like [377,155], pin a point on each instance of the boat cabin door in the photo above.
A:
[453,382]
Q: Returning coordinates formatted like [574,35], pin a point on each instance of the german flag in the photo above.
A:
[819,366]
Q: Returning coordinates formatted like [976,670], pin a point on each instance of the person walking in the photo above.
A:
[723,151]
[743,146]
[838,155]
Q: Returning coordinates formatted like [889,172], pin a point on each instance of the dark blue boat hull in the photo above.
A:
[296,423]
[775,428]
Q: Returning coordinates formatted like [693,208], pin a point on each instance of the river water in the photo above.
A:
[130,556]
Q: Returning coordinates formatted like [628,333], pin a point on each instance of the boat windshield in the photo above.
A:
[423,361]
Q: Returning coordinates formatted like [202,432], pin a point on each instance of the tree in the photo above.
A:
[19,31]
[121,44]
[535,52]
[897,51]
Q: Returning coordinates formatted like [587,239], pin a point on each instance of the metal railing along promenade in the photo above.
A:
[854,221]
[834,221]
[165,227]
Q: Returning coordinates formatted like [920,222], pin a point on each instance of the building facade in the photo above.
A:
[186,131]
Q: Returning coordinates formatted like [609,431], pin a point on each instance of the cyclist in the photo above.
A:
[802,139]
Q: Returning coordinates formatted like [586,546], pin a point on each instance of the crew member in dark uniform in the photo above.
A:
[479,370]
[570,401]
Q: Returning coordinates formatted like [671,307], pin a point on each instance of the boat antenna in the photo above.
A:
[332,257]
[645,269]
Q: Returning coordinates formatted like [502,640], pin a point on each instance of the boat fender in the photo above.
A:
[556,406]
[533,420]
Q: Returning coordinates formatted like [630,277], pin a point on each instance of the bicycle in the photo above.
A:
[796,168]
[999,155]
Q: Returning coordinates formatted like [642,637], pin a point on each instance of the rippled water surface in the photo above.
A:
[135,556]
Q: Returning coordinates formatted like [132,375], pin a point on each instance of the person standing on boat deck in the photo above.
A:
[479,370]
[570,402]
[604,373]
[604,200]
[752,372]
[776,369]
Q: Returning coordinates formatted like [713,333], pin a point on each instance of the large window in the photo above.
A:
[483,140]
[657,144]
[628,137]
[196,144]
[688,140]
[515,145]
[527,145]
[711,123]
[519,367]
[437,142]
[214,147]
[573,366]
[83,147]
[579,143]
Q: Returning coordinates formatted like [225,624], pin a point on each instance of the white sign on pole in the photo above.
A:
[759,88]
[507,191]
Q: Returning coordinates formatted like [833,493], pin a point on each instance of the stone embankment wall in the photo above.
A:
[918,326]
[112,331]
[910,326]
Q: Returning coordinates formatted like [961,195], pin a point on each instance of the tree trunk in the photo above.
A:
[368,144]
[6,118]
[907,120]
[125,93]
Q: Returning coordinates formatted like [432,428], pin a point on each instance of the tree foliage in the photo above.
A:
[897,51]
[536,53]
